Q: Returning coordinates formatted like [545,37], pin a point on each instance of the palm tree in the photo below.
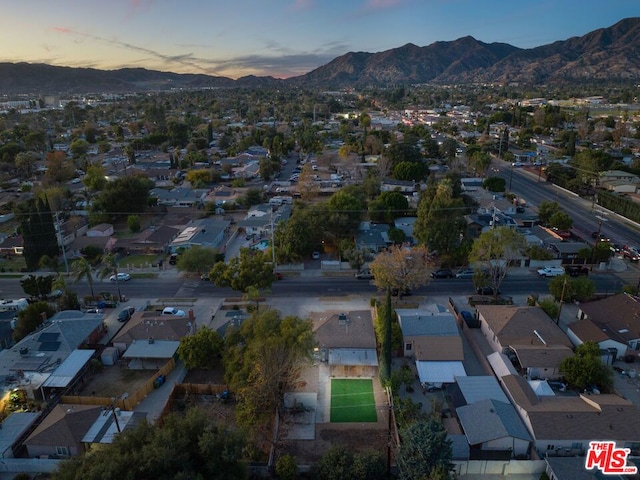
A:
[110,262]
[81,268]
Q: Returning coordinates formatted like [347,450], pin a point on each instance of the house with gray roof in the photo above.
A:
[179,197]
[373,237]
[30,362]
[468,390]
[494,430]
[204,232]
[431,337]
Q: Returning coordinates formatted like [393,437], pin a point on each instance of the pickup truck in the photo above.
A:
[551,271]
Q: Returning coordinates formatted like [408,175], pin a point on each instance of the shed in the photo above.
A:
[440,372]
[109,356]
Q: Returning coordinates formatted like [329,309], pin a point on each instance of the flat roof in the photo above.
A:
[155,349]
[12,427]
[69,368]
[440,372]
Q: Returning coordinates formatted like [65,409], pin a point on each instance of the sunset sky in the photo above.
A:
[282,38]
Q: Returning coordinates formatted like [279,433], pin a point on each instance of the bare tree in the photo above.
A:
[401,267]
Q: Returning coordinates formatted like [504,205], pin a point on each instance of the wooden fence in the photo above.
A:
[190,388]
[128,403]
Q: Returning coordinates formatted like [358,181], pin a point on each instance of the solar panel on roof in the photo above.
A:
[48,337]
[49,346]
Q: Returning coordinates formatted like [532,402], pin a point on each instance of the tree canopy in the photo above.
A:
[197,259]
[401,267]
[202,349]
[252,268]
[124,196]
[425,452]
[186,446]
[262,360]
[30,318]
[585,368]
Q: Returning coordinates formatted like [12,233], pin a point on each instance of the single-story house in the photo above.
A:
[623,326]
[373,237]
[494,430]
[586,330]
[347,342]
[205,232]
[61,432]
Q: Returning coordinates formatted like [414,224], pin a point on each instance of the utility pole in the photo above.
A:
[564,288]
[58,228]
[273,244]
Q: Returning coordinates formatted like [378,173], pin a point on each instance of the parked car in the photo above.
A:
[517,164]
[465,273]
[173,259]
[468,318]
[551,271]
[364,275]
[173,311]
[432,386]
[120,277]
[442,273]
[126,314]
[315,255]
[576,270]
[486,290]
[205,277]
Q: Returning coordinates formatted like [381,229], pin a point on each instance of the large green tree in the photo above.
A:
[38,231]
[251,268]
[202,349]
[123,196]
[585,368]
[388,206]
[262,360]
[494,251]
[198,259]
[426,452]
[340,462]
[343,213]
[186,446]
[440,224]
[297,237]
[31,318]
[37,286]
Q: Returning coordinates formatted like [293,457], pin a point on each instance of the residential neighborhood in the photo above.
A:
[274,272]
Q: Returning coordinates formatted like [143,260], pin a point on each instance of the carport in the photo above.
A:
[440,372]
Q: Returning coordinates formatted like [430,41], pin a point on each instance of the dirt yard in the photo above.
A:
[116,380]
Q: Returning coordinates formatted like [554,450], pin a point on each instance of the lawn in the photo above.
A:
[138,260]
[352,400]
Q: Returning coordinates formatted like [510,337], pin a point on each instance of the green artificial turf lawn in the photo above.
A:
[352,400]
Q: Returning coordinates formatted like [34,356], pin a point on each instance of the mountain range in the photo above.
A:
[605,55]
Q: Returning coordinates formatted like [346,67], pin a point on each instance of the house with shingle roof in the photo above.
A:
[617,317]
[494,430]
[586,330]
[527,335]
[564,425]
[61,432]
[347,342]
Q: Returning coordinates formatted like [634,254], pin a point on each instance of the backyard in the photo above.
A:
[352,401]
[116,380]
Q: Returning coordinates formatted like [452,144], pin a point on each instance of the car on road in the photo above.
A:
[517,164]
[576,270]
[599,236]
[632,253]
[126,314]
[120,277]
[486,290]
[465,273]
[551,271]
[442,273]
[364,275]
[173,311]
